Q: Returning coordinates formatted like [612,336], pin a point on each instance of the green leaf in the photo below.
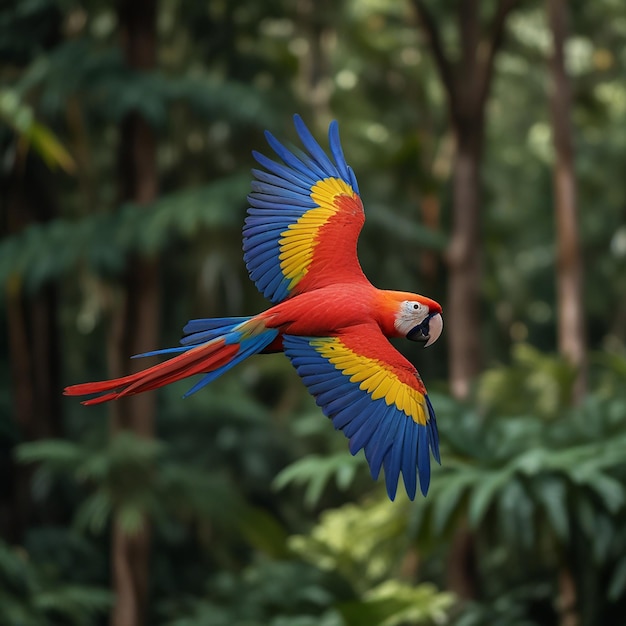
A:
[515,514]
[449,499]
[618,581]
[484,493]
[45,252]
[264,533]
[552,494]
[57,454]
[76,603]
[94,513]
[394,603]
[610,491]
[131,518]
[21,118]
[314,473]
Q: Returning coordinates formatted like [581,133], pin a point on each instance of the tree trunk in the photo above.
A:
[466,83]
[462,571]
[569,275]
[135,325]
[571,327]
[33,349]
[464,260]
[566,604]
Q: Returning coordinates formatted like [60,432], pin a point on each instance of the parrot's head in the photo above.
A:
[419,319]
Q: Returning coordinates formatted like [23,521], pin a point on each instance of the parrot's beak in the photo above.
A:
[428,331]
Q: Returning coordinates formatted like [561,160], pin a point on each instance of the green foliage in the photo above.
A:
[315,472]
[394,603]
[133,478]
[20,117]
[282,593]
[534,488]
[33,596]
[515,485]
[364,542]
[47,252]
[367,543]
[534,381]
[110,90]
[276,593]
[508,609]
[522,475]
[259,514]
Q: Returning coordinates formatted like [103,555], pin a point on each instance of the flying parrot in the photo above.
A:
[300,249]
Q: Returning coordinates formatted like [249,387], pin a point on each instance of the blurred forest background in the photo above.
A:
[489,140]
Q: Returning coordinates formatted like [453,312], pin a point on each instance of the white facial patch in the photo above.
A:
[410,315]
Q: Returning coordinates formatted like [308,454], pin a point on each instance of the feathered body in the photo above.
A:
[300,240]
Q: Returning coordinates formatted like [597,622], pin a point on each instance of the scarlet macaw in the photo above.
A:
[299,242]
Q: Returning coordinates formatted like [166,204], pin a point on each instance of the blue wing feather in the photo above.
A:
[314,148]
[297,178]
[375,453]
[390,439]
[280,197]
[393,463]
[260,187]
[339,397]
[433,437]
[259,202]
[277,181]
[258,215]
[366,430]
[278,285]
[288,157]
[297,201]
[422,466]
[412,437]
[352,179]
[203,330]
[247,347]
[262,230]
[309,162]
[337,152]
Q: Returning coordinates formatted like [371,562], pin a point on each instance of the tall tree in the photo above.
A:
[33,339]
[466,81]
[569,275]
[135,327]
[571,329]
[28,199]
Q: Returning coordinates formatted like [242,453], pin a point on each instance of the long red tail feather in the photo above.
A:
[204,358]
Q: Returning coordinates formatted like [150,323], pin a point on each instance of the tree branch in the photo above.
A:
[442,62]
[493,43]
[469,34]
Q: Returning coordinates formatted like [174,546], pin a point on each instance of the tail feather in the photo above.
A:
[203,330]
[198,332]
[213,358]
[248,347]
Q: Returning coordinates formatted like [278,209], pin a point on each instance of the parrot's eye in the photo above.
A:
[416,306]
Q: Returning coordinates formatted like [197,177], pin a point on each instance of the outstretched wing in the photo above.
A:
[304,219]
[376,397]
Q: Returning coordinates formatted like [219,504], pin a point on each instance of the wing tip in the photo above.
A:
[433,432]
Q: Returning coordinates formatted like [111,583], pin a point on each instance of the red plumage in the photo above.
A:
[204,358]
[300,248]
